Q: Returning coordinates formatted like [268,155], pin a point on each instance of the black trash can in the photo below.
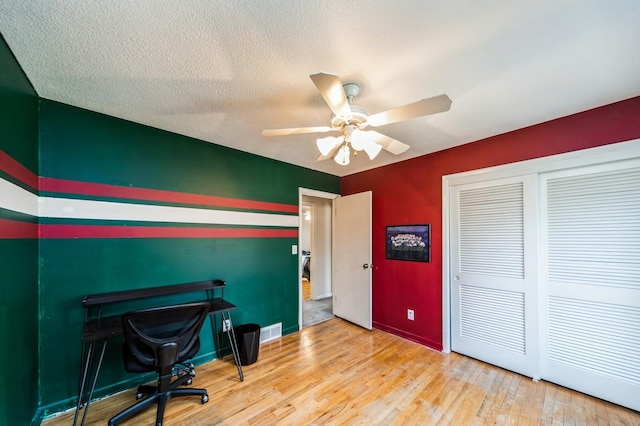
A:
[248,339]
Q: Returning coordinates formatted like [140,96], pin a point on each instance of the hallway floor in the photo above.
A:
[316,311]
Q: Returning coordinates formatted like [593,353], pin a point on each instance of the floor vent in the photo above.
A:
[270,332]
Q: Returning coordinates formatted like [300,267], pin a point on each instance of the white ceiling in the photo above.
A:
[222,71]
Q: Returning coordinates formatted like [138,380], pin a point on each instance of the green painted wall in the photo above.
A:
[18,111]
[261,273]
[43,281]
[18,268]
[86,146]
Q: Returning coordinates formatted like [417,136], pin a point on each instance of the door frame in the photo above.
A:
[306,192]
[589,156]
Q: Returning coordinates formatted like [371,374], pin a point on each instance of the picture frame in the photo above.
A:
[408,242]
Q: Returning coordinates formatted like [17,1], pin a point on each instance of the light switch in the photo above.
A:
[294,249]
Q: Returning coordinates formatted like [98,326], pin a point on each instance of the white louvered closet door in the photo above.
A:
[493,272]
[590,321]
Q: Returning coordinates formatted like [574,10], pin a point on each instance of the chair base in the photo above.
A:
[161,399]
[182,379]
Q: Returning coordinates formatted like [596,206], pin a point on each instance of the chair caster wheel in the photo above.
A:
[188,382]
[205,398]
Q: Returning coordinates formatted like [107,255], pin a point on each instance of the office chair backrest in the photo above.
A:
[162,336]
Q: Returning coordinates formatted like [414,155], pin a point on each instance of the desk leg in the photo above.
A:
[233,343]
[216,337]
[95,379]
[87,369]
[84,370]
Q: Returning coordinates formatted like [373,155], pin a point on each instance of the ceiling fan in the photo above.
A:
[351,120]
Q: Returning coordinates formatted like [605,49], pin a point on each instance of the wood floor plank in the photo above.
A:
[335,373]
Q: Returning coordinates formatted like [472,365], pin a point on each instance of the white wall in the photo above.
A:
[321,241]
[318,230]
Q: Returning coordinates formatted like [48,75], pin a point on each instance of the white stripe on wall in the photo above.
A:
[15,198]
[106,210]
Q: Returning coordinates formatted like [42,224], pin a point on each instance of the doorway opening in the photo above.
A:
[315,251]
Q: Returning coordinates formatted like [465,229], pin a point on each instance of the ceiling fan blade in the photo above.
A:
[389,144]
[421,108]
[330,87]
[296,131]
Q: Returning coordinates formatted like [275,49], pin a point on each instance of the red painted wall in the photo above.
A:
[410,192]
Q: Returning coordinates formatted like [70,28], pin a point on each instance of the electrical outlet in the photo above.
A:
[226,325]
[410,314]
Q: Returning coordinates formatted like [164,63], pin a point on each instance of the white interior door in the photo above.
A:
[591,289]
[493,273]
[583,251]
[352,258]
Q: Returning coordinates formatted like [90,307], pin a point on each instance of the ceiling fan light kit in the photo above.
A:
[352,119]
[326,145]
[359,139]
[372,149]
[342,157]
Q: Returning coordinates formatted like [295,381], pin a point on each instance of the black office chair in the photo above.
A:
[158,339]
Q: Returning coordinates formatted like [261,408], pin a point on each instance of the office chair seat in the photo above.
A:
[160,339]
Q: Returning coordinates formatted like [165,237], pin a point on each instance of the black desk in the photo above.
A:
[99,328]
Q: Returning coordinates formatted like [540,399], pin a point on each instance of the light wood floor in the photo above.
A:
[306,289]
[335,373]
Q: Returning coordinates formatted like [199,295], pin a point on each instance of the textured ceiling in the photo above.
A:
[222,71]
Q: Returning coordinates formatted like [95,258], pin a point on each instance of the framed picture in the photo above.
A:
[409,242]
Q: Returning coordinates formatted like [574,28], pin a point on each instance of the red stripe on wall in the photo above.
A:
[17,170]
[96,231]
[13,229]
[115,191]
